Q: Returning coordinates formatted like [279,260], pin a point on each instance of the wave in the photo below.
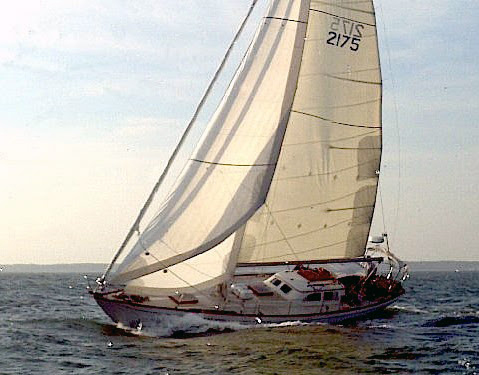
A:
[178,327]
[197,327]
[448,321]
[408,308]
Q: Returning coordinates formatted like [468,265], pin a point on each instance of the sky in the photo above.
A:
[94,96]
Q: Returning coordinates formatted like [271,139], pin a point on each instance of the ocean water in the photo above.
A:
[50,325]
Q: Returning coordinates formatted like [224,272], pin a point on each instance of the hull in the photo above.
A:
[166,320]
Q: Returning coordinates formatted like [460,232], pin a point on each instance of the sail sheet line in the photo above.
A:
[335,122]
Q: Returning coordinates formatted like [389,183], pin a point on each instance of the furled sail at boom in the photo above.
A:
[228,177]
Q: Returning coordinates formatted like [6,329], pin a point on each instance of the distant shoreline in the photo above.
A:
[98,268]
[90,268]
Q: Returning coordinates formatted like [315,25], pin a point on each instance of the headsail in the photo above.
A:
[320,203]
[228,178]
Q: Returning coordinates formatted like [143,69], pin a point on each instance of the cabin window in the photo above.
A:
[285,288]
[276,282]
[328,296]
[313,297]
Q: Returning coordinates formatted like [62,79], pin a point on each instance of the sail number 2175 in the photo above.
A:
[345,33]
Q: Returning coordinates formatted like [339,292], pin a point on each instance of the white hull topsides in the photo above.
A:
[136,316]
[313,294]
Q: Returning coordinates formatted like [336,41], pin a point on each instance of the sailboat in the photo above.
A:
[269,219]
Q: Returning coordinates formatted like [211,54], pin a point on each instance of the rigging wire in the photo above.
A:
[382,213]
[396,120]
[135,226]
[198,291]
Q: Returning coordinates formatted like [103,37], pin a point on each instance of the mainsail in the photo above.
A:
[287,168]
[321,201]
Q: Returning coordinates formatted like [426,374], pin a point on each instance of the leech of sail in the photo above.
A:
[135,226]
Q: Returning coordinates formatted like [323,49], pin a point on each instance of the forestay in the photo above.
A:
[321,200]
[228,177]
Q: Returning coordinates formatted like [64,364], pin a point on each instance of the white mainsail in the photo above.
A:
[321,201]
[228,178]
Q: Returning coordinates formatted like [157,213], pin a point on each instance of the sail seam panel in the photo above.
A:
[349,208]
[335,122]
[284,19]
[354,148]
[328,173]
[343,7]
[302,234]
[344,18]
[315,204]
[233,165]
[308,250]
[285,238]
[351,80]
[289,145]
[358,104]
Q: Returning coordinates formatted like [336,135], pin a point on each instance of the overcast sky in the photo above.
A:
[95,94]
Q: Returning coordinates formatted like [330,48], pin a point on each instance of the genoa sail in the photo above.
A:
[321,201]
[228,177]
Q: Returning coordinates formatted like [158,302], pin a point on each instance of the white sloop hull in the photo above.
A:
[156,319]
